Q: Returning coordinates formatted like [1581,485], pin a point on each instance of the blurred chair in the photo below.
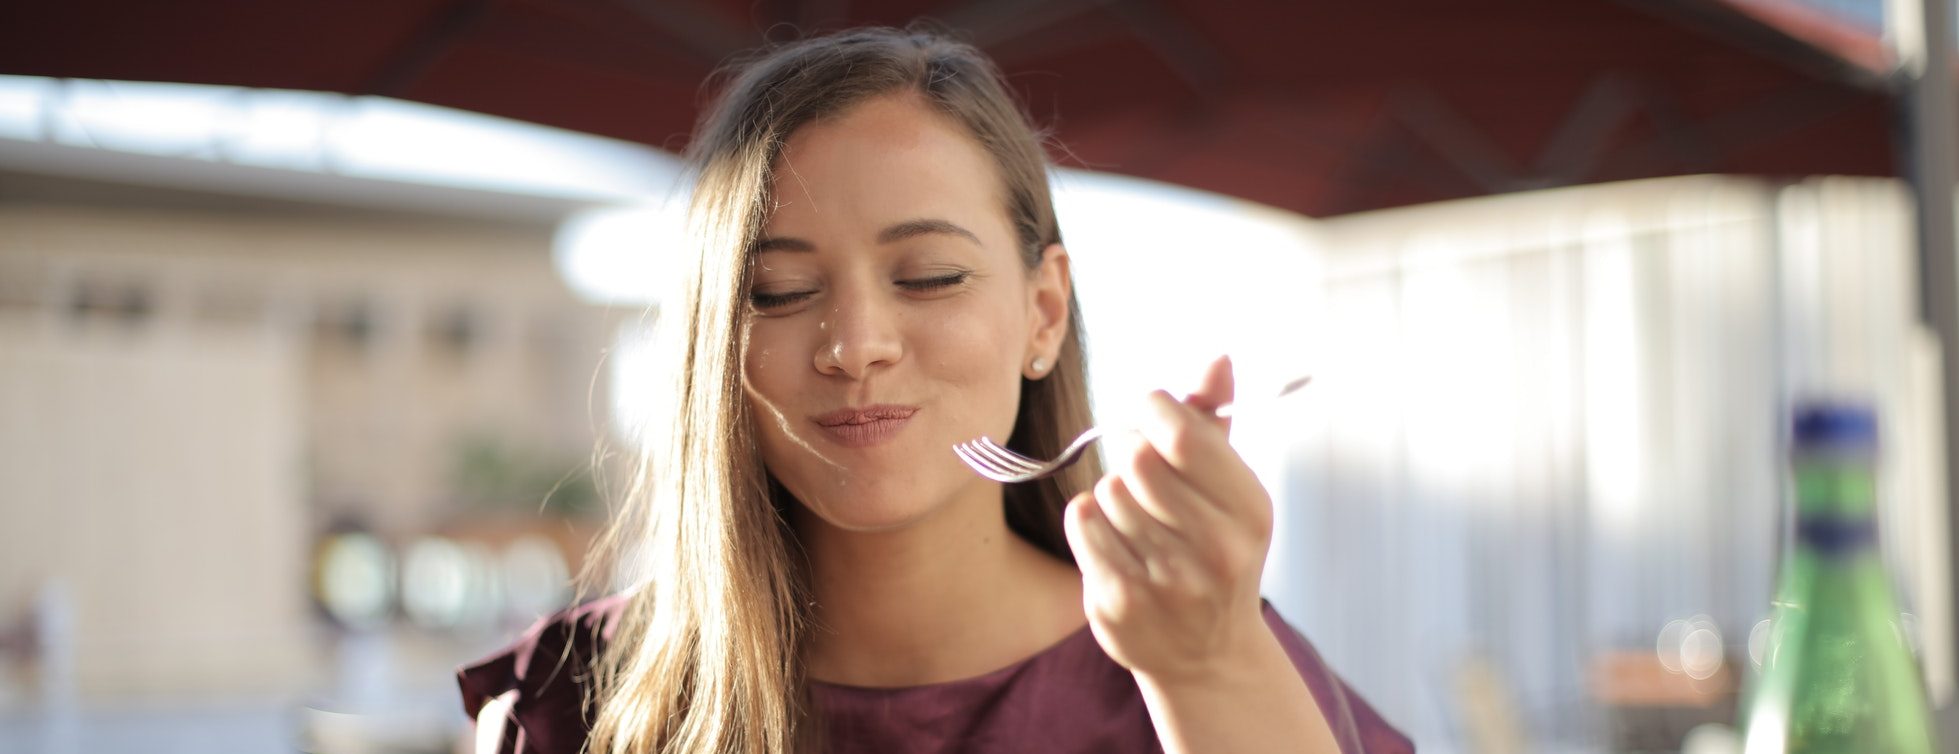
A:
[1649,707]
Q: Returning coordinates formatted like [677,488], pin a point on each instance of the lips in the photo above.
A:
[864,426]
[865,415]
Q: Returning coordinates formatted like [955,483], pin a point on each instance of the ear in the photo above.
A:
[1049,290]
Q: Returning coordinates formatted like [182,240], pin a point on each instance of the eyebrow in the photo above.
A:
[893,234]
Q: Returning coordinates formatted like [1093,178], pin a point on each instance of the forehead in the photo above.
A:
[889,159]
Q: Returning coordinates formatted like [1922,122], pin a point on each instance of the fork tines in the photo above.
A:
[997,463]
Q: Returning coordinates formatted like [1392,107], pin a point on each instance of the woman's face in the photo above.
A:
[892,317]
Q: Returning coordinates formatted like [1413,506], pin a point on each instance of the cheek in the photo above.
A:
[980,332]
[764,361]
[765,370]
[975,354]
[758,364]
[996,324]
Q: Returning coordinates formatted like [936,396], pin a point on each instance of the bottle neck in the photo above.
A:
[1836,504]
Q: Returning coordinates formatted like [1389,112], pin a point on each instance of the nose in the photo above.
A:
[859,333]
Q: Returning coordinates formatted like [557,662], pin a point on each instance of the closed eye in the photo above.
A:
[932,284]
[777,300]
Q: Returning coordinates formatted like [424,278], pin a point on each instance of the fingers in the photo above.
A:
[1196,447]
[1140,526]
[1099,549]
[1149,540]
[1130,555]
[1168,498]
[1214,390]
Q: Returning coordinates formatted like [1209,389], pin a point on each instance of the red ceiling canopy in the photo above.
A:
[1323,108]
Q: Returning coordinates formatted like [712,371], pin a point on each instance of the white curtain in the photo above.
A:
[1549,423]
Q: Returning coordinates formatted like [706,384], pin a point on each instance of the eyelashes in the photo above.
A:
[773,300]
[777,300]
[932,284]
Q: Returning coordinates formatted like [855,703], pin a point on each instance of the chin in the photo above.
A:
[879,495]
[868,514]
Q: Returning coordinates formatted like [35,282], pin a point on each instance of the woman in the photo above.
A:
[878,276]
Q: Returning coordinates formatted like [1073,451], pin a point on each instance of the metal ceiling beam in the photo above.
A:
[444,28]
[989,23]
[1193,58]
[709,38]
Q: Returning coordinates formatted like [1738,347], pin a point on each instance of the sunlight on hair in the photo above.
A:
[789,427]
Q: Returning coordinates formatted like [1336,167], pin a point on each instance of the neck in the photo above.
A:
[951,596]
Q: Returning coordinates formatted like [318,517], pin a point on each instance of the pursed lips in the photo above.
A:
[865,415]
[865,426]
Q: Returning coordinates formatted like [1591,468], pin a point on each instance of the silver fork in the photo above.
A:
[995,462]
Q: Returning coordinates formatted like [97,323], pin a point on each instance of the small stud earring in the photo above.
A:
[1039,365]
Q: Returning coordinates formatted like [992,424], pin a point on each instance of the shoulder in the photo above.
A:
[1355,723]
[544,677]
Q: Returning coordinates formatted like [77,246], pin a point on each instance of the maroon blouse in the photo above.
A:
[1070,697]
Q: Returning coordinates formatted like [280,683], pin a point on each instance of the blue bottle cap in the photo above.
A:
[1834,426]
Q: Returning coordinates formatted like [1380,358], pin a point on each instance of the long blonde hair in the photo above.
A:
[707,653]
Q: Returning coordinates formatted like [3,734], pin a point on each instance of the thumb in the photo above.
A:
[1216,389]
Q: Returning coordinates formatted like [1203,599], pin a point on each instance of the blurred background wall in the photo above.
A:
[267,459]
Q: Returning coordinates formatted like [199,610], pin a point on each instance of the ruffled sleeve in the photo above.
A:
[1357,727]
[544,678]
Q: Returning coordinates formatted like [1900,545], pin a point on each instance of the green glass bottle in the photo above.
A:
[1837,675]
